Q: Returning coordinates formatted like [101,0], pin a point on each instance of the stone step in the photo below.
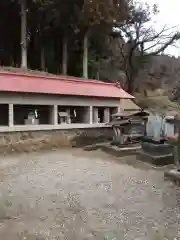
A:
[120,152]
[96,146]
[159,160]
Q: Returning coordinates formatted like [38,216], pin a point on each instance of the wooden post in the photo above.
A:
[145,126]
[176,157]
[178,147]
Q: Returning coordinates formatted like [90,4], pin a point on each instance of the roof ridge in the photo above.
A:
[59,77]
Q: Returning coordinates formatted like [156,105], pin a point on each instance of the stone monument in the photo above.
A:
[156,149]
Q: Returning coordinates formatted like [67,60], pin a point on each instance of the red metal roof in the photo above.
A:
[26,83]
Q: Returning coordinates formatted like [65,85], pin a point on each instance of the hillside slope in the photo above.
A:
[157,103]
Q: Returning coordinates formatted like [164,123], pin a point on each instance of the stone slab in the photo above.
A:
[120,152]
[173,175]
[157,149]
[160,160]
[96,146]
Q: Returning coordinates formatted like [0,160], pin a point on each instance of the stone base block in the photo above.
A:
[157,149]
[120,152]
[173,175]
[160,160]
[116,141]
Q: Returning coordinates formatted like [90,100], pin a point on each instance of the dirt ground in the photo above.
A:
[75,195]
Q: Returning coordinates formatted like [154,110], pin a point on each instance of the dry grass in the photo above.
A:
[157,102]
[35,72]
[20,70]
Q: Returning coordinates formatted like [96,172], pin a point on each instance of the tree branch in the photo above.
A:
[168,43]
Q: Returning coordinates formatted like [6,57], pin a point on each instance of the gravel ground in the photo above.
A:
[77,195]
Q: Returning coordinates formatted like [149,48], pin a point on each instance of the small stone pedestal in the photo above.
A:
[157,154]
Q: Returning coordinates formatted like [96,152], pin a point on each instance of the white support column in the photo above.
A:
[54,115]
[106,115]
[88,115]
[119,109]
[11,115]
[91,114]
[69,115]
[95,115]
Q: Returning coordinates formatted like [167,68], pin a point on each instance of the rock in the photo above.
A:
[110,236]
[173,175]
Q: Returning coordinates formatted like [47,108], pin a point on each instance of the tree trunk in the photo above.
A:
[85,56]
[130,88]
[23,34]
[130,82]
[130,85]
[64,56]
[43,62]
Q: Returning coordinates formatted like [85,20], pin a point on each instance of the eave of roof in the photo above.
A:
[62,85]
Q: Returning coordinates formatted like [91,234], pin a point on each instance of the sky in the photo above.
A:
[169,15]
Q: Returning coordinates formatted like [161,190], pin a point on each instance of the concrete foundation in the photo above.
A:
[157,149]
[160,160]
[37,140]
[157,154]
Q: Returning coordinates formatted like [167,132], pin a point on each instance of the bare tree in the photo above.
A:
[142,42]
